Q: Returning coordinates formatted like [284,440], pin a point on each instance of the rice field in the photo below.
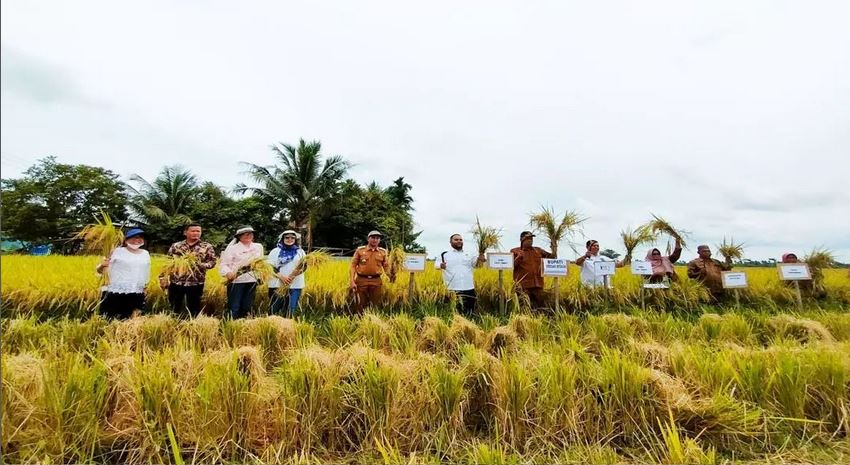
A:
[607,380]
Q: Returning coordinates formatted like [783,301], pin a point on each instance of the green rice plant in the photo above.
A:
[558,400]
[731,327]
[513,386]
[374,332]
[435,336]
[624,402]
[447,385]
[675,449]
[484,454]
[369,393]
[402,336]
[338,331]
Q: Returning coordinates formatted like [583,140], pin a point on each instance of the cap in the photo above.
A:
[133,233]
[375,233]
[289,231]
[243,229]
[525,234]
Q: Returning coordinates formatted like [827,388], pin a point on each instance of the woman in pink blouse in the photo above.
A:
[241,283]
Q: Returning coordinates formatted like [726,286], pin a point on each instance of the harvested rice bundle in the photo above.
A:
[632,238]
[659,225]
[487,237]
[730,250]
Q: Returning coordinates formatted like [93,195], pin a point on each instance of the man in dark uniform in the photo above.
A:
[528,269]
[367,265]
[708,271]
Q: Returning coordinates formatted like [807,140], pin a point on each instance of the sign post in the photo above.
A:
[734,280]
[414,263]
[605,269]
[795,272]
[557,268]
[641,268]
[501,261]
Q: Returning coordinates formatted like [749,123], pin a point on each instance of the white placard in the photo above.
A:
[500,261]
[655,286]
[555,266]
[734,279]
[794,271]
[604,268]
[641,267]
[414,262]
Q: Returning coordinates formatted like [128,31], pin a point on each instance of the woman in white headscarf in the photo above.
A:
[241,285]
[287,259]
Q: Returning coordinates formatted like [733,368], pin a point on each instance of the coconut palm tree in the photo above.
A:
[167,198]
[300,185]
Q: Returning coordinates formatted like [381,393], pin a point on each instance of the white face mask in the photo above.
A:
[134,246]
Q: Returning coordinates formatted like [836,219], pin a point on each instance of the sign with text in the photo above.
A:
[414,262]
[500,261]
[734,279]
[655,286]
[604,268]
[641,267]
[555,267]
[794,271]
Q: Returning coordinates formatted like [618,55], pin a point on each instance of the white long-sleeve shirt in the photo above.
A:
[237,255]
[128,272]
[286,268]
[588,272]
[458,272]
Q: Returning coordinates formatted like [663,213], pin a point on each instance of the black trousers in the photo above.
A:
[120,306]
[466,301]
[191,294]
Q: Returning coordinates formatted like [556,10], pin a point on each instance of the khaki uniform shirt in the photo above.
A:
[369,262]
[528,267]
[708,271]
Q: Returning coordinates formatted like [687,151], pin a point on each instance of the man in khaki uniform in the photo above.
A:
[707,270]
[528,268]
[367,265]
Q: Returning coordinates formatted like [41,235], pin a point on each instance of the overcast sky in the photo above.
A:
[727,118]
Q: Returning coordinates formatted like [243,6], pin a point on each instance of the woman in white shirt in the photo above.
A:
[129,271]
[285,259]
[241,283]
[588,270]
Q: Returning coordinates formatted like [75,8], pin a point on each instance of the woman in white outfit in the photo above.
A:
[129,271]
[285,259]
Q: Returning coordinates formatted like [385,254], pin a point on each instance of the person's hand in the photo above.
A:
[353,285]
[163,283]
[518,255]
[231,275]
[287,280]
[587,254]
[443,265]
[104,263]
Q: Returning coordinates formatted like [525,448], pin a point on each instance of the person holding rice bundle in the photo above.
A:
[235,267]
[457,266]
[588,271]
[528,269]
[289,262]
[708,271]
[188,286]
[662,267]
[129,269]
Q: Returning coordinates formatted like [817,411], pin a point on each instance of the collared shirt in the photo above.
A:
[458,272]
[238,255]
[588,272]
[528,266]
[206,261]
[368,261]
[709,272]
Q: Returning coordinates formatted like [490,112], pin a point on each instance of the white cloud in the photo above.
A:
[727,118]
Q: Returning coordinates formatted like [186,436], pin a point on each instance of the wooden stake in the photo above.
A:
[502,291]
[411,286]
[799,295]
[557,295]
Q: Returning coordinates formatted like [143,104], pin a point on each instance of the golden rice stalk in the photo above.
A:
[395,260]
[556,229]
[487,237]
[730,250]
[259,267]
[632,238]
[100,237]
[659,225]
[314,259]
[181,266]
[819,259]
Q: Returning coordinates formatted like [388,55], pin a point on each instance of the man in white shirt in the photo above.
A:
[588,271]
[457,267]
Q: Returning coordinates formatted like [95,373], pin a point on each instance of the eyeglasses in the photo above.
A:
[289,237]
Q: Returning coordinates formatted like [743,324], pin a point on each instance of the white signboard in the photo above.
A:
[655,286]
[414,262]
[734,279]
[604,268]
[500,261]
[794,271]
[555,266]
[641,267]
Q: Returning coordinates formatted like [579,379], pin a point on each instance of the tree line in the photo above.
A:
[303,190]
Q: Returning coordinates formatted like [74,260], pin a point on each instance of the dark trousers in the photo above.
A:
[192,296]
[120,306]
[240,298]
[466,301]
[536,297]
